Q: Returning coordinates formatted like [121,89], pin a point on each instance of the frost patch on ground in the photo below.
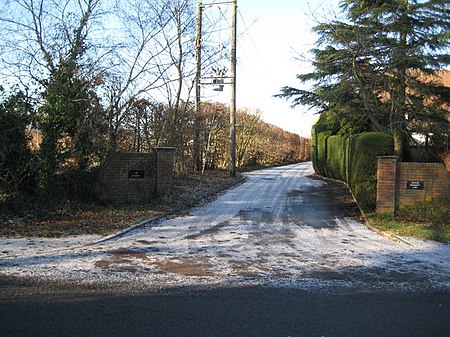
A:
[275,230]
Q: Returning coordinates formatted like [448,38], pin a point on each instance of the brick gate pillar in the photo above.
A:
[386,184]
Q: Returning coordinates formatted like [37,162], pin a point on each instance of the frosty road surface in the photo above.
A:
[280,228]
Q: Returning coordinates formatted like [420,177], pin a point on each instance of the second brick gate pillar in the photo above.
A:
[386,184]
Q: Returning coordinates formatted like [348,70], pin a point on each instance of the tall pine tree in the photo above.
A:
[377,67]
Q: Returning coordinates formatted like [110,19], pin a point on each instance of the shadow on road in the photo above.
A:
[243,311]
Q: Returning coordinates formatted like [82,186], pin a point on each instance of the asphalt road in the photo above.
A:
[247,311]
[279,255]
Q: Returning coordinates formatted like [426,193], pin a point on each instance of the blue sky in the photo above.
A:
[273,33]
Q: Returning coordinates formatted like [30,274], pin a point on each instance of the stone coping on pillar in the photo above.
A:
[388,157]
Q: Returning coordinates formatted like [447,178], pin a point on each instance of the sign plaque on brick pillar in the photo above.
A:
[414,185]
[127,177]
[386,184]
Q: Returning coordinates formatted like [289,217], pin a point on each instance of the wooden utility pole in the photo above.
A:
[198,47]
[233,93]
[196,150]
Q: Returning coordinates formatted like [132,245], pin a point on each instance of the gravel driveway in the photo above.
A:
[280,228]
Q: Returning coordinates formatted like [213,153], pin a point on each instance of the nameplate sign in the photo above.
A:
[415,185]
[136,174]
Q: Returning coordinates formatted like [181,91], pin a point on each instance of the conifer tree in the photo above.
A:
[376,68]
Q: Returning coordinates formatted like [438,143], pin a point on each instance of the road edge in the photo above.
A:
[367,223]
[149,221]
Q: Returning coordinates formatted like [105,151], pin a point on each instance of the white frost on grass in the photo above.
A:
[245,237]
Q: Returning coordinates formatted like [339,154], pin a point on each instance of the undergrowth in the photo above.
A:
[428,220]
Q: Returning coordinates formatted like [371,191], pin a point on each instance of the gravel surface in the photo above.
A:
[282,228]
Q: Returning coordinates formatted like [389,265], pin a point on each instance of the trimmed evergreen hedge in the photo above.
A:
[319,151]
[363,151]
[352,159]
[337,157]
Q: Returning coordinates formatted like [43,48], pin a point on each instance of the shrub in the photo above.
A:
[336,157]
[436,212]
[352,159]
[363,151]
[76,185]
[16,159]
[320,151]
[314,154]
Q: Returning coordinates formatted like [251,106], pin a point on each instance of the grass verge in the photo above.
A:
[410,229]
[428,220]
